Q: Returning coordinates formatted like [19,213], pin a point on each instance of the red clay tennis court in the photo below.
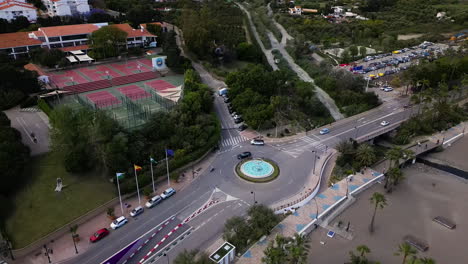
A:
[134,92]
[159,85]
[133,66]
[99,72]
[103,99]
[66,78]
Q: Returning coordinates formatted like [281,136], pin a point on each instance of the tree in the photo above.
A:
[360,258]
[396,82]
[426,261]
[15,84]
[405,250]
[142,14]
[363,250]
[49,57]
[298,249]
[107,42]
[379,201]
[192,257]
[353,50]
[262,220]
[237,232]
[365,154]
[275,253]
[362,51]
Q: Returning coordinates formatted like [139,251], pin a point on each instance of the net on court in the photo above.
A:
[103,99]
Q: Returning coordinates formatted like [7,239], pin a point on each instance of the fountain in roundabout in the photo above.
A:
[257,170]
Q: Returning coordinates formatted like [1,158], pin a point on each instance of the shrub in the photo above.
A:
[29,101]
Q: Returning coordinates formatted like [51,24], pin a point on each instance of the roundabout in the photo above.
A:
[257,170]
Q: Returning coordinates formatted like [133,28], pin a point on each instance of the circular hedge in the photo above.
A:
[273,176]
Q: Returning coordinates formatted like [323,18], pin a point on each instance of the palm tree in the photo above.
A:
[405,250]
[426,261]
[365,154]
[379,201]
[275,252]
[298,250]
[394,175]
[363,250]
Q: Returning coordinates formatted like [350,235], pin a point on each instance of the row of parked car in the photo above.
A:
[122,220]
[237,117]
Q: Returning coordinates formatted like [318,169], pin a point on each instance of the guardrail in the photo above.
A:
[308,196]
[310,227]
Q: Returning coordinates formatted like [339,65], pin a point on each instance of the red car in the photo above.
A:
[99,235]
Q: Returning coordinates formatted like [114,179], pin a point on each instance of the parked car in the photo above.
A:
[168,193]
[137,211]
[388,89]
[257,142]
[324,131]
[242,127]
[384,123]
[237,116]
[226,99]
[244,155]
[119,222]
[100,234]
[238,120]
[153,201]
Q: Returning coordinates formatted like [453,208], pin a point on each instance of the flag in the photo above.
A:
[120,175]
[170,152]
[153,161]
[136,167]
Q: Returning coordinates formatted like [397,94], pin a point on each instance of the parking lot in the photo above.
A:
[378,66]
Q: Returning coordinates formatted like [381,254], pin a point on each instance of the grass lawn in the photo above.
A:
[40,210]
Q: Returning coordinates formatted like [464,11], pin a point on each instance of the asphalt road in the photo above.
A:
[293,157]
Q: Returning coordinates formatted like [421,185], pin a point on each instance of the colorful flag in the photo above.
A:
[153,161]
[170,152]
[120,175]
[136,167]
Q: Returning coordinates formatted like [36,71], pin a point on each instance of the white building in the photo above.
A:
[66,7]
[11,9]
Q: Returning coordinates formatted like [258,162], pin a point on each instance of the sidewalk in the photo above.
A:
[63,248]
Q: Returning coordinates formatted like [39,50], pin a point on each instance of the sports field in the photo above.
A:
[99,72]
[131,104]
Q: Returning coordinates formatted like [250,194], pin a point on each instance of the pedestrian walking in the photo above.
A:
[425,146]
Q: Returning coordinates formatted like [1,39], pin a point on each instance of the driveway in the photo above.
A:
[28,122]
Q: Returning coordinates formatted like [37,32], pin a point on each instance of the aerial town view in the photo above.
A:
[233,131]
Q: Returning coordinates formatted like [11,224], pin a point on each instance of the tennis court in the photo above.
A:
[96,72]
[130,104]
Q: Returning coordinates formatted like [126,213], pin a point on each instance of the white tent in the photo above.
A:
[77,52]
[84,58]
[71,59]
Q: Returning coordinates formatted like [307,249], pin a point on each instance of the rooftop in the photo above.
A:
[222,252]
[11,3]
[17,39]
[68,30]
[131,32]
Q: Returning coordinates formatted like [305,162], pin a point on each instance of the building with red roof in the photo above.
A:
[11,9]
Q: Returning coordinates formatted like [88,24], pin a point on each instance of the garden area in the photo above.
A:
[40,210]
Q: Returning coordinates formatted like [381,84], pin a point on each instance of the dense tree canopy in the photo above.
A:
[107,42]
[265,98]
[49,57]
[16,84]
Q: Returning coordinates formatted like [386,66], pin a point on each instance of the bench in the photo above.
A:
[444,222]
[419,245]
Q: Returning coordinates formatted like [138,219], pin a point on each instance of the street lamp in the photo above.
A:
[252,192]
[167,256]
[316,208]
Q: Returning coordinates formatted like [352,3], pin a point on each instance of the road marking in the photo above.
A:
[21,121]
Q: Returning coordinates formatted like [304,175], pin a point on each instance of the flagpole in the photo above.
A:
[167,167]
[138,189]
[152,177]
[120,197]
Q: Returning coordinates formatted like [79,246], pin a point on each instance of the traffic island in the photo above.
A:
[257,170]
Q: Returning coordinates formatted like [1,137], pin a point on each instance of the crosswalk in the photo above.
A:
[232,141]
[302,145]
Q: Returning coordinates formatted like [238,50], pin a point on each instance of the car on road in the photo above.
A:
[257,142]
[388,89]
[242,127]
[137,211]
[153,201]
[384,123]
[119,222]
[324,131]
[100,234]
[244,155]
[168,193]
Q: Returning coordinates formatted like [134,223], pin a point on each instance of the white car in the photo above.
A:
[118,222]
[168,193]
[153,201]
[137,211]
[384,123]
[257,142]
[324,131]
[388,89]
